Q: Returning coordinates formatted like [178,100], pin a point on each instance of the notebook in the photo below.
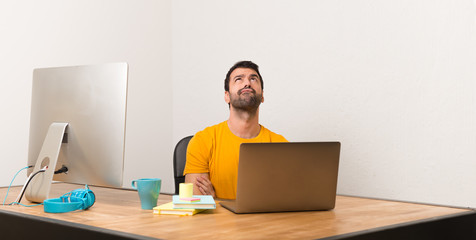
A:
[168,209]
[206,202]
[278,177]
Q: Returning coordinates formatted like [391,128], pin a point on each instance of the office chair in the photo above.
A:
[180,155]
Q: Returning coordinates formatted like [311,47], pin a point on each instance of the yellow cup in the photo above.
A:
[186,190]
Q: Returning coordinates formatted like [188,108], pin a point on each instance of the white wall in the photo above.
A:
[394,81]
[51,33]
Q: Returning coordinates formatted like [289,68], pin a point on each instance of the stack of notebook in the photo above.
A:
[186,206]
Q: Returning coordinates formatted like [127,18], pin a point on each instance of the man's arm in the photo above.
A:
[201,183]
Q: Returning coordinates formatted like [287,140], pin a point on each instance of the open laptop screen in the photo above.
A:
[294,176]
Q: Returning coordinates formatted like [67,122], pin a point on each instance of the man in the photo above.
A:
[212,154]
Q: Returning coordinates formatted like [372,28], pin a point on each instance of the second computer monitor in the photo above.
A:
[92,101]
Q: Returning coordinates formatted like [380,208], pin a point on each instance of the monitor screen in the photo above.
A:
[90,101]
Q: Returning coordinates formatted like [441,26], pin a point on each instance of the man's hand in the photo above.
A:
[205,186]
[201,184]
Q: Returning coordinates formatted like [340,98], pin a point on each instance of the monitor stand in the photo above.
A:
[39,187]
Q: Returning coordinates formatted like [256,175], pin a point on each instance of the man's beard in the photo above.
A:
[244,102]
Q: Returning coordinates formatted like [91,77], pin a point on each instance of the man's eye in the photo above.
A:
[237,79]
[254,79]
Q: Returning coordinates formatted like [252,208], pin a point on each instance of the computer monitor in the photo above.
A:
[78,120]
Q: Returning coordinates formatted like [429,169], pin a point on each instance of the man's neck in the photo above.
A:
[244,124]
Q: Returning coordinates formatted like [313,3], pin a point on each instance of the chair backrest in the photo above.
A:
[180,157]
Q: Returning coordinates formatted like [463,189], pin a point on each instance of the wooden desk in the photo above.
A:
[119,210]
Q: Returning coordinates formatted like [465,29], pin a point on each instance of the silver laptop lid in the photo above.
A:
[275,177]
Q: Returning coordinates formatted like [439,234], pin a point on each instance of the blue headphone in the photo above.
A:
[79,199]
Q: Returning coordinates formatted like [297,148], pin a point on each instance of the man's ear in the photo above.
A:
[227,97]
[262,97]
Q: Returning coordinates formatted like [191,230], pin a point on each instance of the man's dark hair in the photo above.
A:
[242,64]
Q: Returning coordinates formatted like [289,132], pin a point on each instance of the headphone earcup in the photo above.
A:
[90,199]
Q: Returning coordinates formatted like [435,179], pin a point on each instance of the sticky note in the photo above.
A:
[190,200]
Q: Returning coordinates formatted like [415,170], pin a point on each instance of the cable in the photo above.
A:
[12,182]
[63,169]
[33,205]
[23,205]
[18,200]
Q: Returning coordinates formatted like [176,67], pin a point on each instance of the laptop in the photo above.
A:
[281,177]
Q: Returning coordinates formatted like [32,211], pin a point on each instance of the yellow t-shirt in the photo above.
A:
[215,151]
